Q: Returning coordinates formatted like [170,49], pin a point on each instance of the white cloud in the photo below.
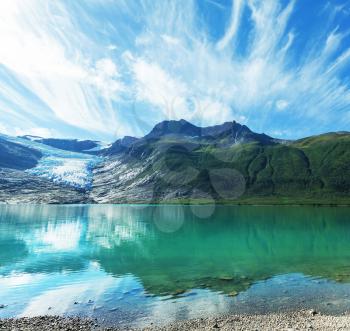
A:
[251,87]
[107,67]
[232,30]
[211,112]
[157,87]
[33,131]
[43,46]
[4,129]
[112,47]
[281,105]
[39,132]
[167,64]
[105,77]
[171,40]
[281,133]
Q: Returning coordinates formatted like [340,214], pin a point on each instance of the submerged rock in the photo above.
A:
[313,312]
[179,292]
[226,278]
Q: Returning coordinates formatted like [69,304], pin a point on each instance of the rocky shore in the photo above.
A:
[303,320]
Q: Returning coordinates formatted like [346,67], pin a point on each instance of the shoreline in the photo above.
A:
[253,203]
[298,320]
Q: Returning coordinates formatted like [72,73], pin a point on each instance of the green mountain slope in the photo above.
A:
[187,168]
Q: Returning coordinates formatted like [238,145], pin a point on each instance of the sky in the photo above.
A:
[102,69]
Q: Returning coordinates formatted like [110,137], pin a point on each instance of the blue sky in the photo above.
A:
[103,69]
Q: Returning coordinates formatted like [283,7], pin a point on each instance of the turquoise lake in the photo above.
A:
[136,265]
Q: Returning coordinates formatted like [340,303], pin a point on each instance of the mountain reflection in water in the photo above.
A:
[167,250]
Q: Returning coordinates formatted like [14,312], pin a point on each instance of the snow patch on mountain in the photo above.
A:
[32,138]
[100,146]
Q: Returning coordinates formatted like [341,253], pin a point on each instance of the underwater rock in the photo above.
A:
[179,292]
[226,278]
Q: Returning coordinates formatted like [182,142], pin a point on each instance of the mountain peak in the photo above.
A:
[232,131]
[214,130]
[168,127]
[228,133]
[120,145]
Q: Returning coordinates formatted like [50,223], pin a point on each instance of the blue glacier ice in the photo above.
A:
[62,167]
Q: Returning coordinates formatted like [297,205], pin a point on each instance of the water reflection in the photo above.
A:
[52,252]
[109,227]
[234,248]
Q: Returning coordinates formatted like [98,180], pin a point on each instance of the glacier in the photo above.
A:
[62,167]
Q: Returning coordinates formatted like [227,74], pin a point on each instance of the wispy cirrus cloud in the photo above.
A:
[258,84]
[233,26]
[277,66]
[52,58]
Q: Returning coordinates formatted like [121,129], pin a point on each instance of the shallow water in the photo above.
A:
[140,264]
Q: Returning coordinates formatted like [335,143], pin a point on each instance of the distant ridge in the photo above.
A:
[72,145]
[178,162]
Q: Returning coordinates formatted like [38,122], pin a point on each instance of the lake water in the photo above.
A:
[136,265]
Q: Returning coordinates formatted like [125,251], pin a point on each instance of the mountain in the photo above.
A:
[185,133]
[119,146]
[181,127]
[72,145]
[179,161]
[15,156]
[31,171]
[228,132]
